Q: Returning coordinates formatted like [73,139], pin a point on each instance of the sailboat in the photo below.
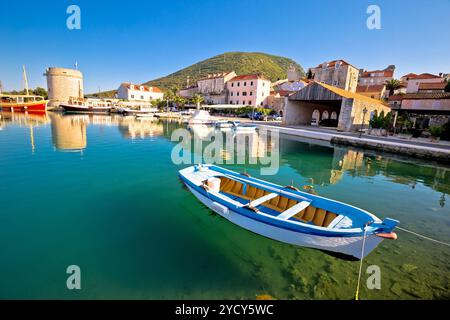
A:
[23,103]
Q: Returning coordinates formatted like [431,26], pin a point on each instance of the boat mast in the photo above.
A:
[1,87]
[25,79]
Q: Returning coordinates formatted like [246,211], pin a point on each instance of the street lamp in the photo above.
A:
[362,126]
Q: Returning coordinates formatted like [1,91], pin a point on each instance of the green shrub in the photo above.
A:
[381,121]
[436,131]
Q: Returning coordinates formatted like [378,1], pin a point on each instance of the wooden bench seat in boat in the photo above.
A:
[303,211]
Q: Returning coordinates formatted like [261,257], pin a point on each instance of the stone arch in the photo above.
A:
[333,115]
[316,114]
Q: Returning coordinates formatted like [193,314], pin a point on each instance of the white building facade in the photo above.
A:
[135,92]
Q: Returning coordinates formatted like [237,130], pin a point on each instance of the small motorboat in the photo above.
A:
[144,115]
[221,124]
[244,128]
[287,214]
[201,117]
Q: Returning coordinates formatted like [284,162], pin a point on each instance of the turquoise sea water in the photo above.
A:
[101,192]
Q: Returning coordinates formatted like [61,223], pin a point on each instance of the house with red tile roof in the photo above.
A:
[249,90]
[337,73]
[431,108]
[139,92]
[412,81]
[375,77]
[375,91]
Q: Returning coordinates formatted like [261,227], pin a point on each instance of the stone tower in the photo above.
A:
[63,84]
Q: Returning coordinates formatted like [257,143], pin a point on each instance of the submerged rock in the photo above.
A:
[264,297]
[397,289]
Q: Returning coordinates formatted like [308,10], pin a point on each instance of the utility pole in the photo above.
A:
[1,87]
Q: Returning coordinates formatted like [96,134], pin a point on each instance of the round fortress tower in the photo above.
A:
[62,84]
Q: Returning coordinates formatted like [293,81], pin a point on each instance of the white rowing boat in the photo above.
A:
[287,214]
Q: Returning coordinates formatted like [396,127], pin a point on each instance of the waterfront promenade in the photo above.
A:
[414,147]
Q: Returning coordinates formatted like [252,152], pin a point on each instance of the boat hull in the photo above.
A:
[351,246]
[40,106]
[85,109]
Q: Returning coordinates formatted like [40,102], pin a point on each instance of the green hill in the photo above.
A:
[270,66]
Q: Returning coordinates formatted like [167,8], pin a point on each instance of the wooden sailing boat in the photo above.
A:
[23,103]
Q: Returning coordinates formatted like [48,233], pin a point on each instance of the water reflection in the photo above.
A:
[25,120]
[69,131]
[318,163]
[132,127]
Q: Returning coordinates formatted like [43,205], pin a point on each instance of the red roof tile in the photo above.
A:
[370,88]
[420,96]
[386,73]
[248,77]
[137,87]
[432,86]
[333,63]
[420,76]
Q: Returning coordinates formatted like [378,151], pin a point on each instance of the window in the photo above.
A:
[132,96]
[243,102]
[231,101]
[251,83]
[231,94]
[232,84]
[245,84]
[142,97]
[239,84]
[249,102]
[251,93]
[237,93]
[261,104]
[244,93]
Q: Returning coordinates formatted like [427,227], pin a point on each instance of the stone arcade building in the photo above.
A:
[319,101]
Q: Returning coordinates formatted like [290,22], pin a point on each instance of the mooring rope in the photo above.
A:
[424,237]
[361,263]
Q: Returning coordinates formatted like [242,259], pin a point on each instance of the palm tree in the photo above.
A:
[197,99]
[171,95]
[393,85]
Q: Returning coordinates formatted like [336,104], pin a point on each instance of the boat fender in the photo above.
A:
[392,235]
[245,174]
[292,188]
[219,208]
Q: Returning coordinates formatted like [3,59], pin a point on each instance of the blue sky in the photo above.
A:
[142,40]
